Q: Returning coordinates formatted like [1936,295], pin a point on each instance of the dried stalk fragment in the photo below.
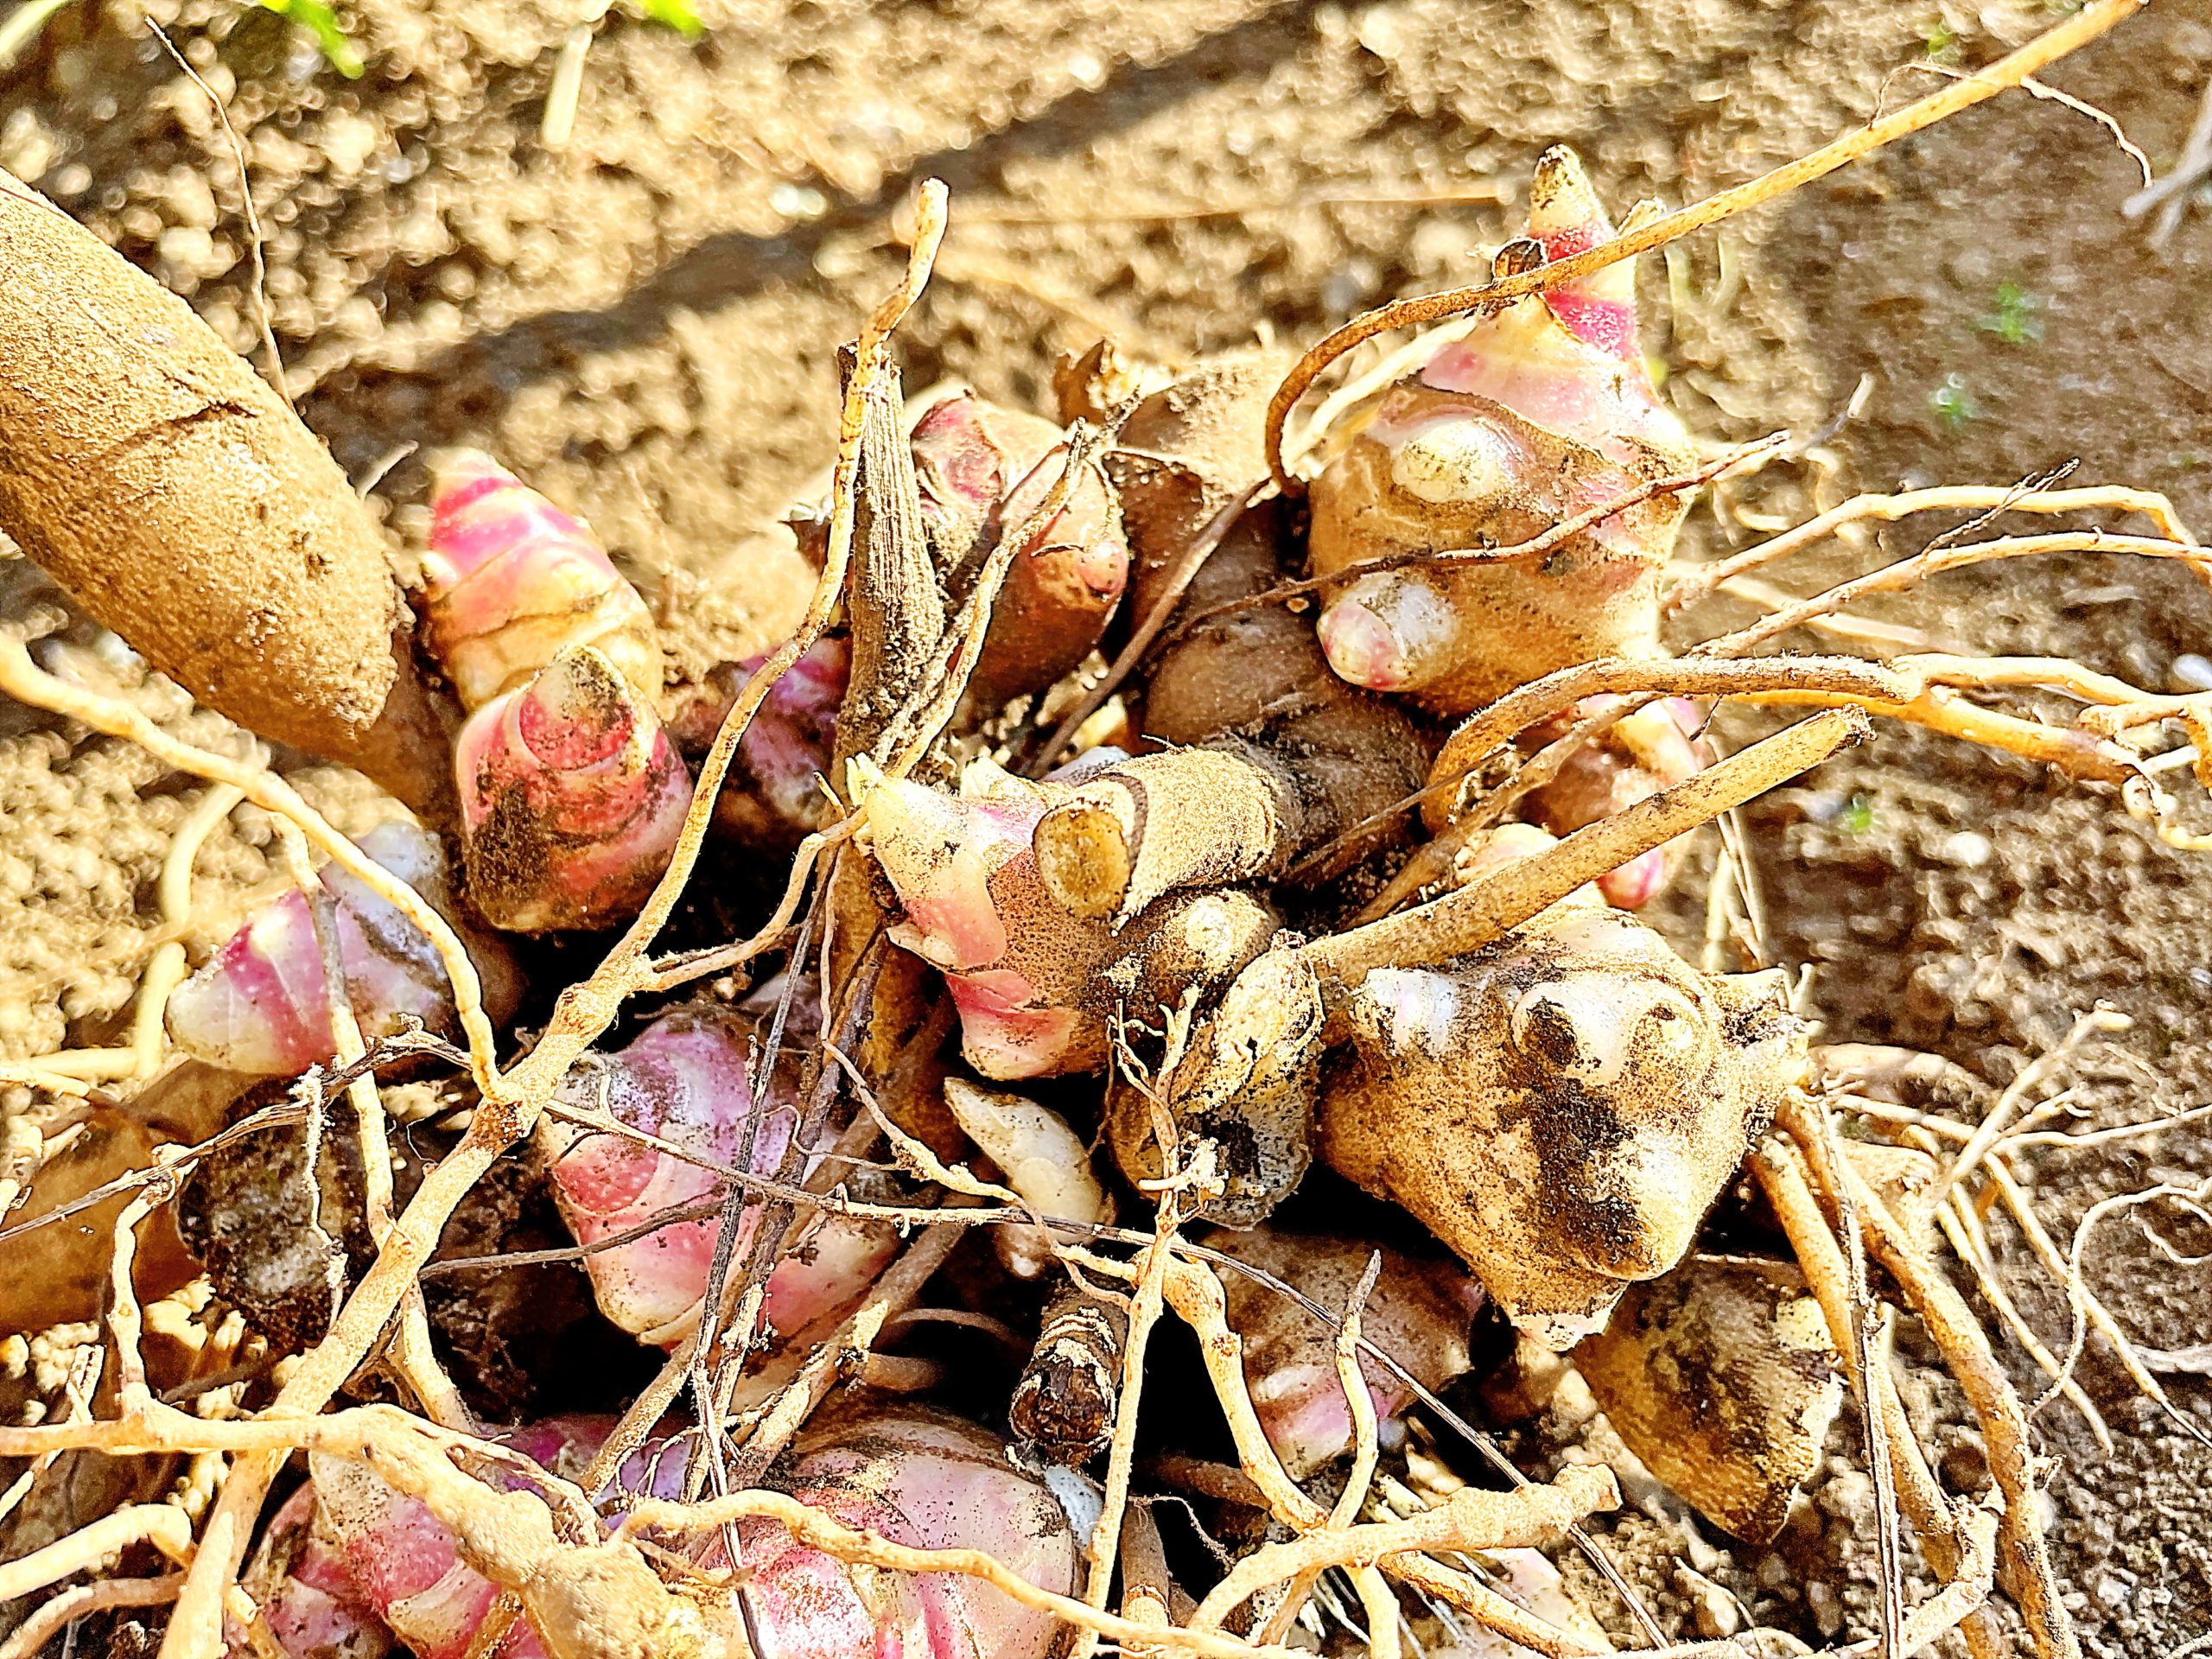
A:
[1063,1408]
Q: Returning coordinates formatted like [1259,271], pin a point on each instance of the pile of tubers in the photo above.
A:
[1201,899]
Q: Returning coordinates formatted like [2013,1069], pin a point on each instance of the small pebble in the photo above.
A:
[2193,671]
[1826,1606]
[1969,849]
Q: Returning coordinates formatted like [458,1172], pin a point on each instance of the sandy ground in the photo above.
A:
[643,324]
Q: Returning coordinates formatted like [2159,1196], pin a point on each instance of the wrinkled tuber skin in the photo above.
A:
[571,797]
[1723,1378]
[509,580]
[261,1005]
[1561,1108]
[686,1080]
[1035,987]
[981,472]
[1292,757]
[918,1478]
[1418,1313]
[1543,410]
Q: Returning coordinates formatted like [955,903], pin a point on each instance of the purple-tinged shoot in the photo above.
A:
[261,1005]
[571,795]
[510,580]
[1542,412]
[1418,1312]
[774,797]
[687,1079]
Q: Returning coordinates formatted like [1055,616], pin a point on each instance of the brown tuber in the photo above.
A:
[1275,757]
[1722,1377]
[190,511]
[1561,1108]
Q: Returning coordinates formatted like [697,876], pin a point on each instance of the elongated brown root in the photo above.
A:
[191,512]
[1782,1177]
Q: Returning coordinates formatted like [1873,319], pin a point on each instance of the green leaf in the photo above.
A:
[2011,315]
[677,15]
[317,18]
[1954,406]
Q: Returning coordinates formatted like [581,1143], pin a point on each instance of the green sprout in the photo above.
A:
[2011,315]
[1857,818]
[1943,42]
[317,18]
[1953,406]
[678,15]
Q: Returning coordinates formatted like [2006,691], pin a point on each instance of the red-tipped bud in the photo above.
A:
[1036,986]
[983,471]
[1418,1313]
[509,580]
[1541,412]
[571,797]
[967,877]
[262,1004]
[687,1080]
[1565,217]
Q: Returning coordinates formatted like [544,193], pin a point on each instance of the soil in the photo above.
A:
[644,324]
